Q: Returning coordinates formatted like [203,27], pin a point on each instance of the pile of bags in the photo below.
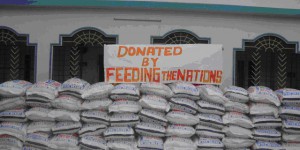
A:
[264,112]
[290,114]
[177,116]
[238,128]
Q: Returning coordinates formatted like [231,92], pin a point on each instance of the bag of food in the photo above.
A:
[236,94]
[28,147]
[209,143]
[38,114]
[291,126]
[179,143]
[154,102]
[150,129]
[266,122]
[14,115]
[12,103]
[239,119]
[14,88]
[124,119]
[8,142]
[184,104]
[40,126]
[261,94]
[184,90]
[99,104]
[211,120]
[230,142]
[178,117]
[210,108]
[289,112]
[47,89]
[66,127]
[236,107]
[148,142]
[260,145]
[38,140]
[92,129]
[125,91]
[122,106]
[122,144]
[93,142]
[95,116]
[74,86]
[262,109]
[98,91]
[155,88]
[289,97]
[237,132]
[38,103]
[292,138]
[64,115]
[209,132]
[291,146]
[67,102]
[266,134]
[152,116]
[64,142]
[180,131]
[118,133]
[14,129]
[212,94]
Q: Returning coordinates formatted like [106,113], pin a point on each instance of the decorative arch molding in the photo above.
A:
[74,45]
[18,56]
[269,61]
[179,36]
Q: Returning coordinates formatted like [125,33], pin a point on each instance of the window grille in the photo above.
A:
[17,56]
[269,61]
[180,37]
[81,55]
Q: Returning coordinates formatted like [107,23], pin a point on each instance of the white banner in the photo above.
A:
[194,63]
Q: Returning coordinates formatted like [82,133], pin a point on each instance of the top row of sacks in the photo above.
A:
[79,88]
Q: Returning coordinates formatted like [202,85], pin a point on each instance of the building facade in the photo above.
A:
[260,45]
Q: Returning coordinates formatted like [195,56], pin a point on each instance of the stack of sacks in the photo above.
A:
[264,112]
[238,124]
[66,111]
[12,114]
[154,102]
[182,117]
[94,116]
[290,113]
[124,109]
[39,97]
[211,107]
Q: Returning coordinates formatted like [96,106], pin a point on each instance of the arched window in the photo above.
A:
[17,56]
[269,60]
[80,55]
[179,37]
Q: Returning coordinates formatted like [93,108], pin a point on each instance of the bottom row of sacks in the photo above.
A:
[42,141]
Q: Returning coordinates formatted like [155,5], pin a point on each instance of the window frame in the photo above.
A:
[61,36]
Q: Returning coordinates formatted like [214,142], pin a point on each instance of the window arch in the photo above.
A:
[80,54]
[17,56]
[180,36]
[268,60]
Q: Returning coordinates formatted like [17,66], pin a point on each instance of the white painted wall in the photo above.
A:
[45,24]
[290,4]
